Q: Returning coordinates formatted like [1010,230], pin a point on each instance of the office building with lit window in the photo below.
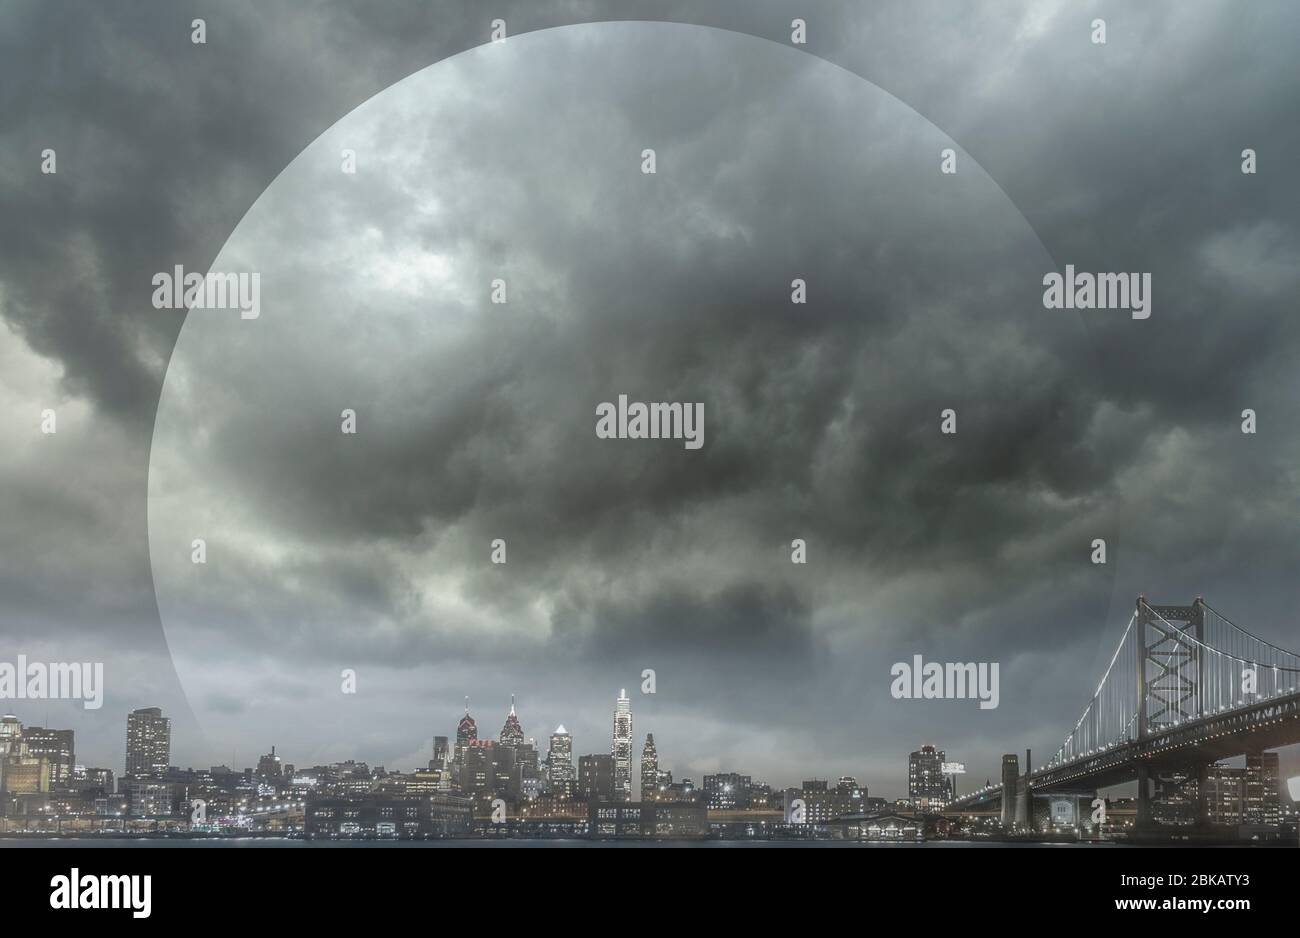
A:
[621,749]
[596,777]
[649,769]
[927,787]
[559,761]
[1262,776]
[148,742]
[54,745]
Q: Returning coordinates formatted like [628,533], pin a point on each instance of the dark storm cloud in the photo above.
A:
[1121,157]
[484,432]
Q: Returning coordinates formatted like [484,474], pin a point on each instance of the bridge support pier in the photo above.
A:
[1010,780]
[1143,820]
[1025,798]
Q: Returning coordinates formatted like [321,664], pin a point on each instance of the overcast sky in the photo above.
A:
[522,161]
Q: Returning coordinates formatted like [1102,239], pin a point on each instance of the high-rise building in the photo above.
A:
[11,731]
[54,745]
[512,734]
[148,742]
[927,786]
[21,771]
[527,781]
[1225,794]
[622,748]
[466,734]
[649,769]
[478,766]
[559,763]
[596,777]
[441,753]
[1262,774]
[504,769]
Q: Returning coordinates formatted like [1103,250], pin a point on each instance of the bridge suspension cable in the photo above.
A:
[1183,677]
[1109,717]
[1226,669]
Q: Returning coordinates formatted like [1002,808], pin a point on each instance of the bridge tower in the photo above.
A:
[1169,666]
[1168,692]
[1025,797]
[1010,784]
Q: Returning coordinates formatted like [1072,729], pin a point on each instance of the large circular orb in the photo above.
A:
[524,162]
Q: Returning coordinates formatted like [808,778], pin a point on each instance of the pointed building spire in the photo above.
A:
[466,730]
[512,734]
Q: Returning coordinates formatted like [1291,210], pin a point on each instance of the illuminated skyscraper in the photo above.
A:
[467,729]
[559,764]
[596,777]
[649,769]
[478,765]
[148,742]
[1262,804]
[11,733]
[55,745]
[927,787]
[466,735]
[512,734]
[1225,794]
[622,748]
[441,756]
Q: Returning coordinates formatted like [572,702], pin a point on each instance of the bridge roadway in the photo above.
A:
[1263,724]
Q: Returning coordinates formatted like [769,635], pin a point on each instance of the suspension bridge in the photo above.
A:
[1185,688]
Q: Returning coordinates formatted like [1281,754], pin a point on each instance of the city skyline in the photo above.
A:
[502,789]
[141,733]
[927,779]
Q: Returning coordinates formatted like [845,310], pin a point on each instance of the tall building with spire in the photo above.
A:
[512,734]
[466,735]
[649,769]
[622,748]
[467,729]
